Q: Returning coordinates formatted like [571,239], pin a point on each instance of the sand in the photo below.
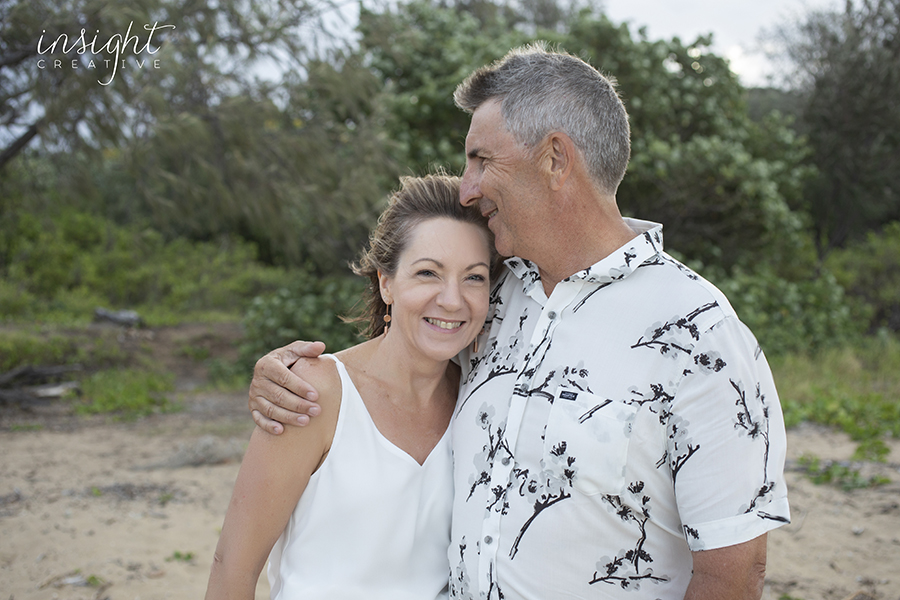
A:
[94,509]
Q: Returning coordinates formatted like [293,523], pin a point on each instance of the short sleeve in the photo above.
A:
[726,441]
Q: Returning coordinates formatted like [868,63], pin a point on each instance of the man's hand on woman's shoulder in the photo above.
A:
[279,397]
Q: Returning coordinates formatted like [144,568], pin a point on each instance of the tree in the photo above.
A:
[420,51]
[846,65]
[75,72]
[718,181]
[208,143]
[304,181]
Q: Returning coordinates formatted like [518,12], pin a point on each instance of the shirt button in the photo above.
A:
[551,315]
[505,460]
[488,539]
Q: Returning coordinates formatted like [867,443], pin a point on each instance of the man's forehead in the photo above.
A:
[486,122]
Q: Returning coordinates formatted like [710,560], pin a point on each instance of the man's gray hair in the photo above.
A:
[542,91]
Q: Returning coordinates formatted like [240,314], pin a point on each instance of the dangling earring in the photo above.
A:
[387,319]
[475,343]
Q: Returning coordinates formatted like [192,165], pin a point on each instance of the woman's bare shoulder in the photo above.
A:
[322,374]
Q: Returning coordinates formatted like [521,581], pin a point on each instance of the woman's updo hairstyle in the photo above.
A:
[418,199]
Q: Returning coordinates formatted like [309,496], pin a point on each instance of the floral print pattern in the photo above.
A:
[605,432]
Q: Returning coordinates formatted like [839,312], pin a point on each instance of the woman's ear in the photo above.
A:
[384,286]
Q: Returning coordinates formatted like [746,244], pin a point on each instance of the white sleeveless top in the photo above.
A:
[372,523]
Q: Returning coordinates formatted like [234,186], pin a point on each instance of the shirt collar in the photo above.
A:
[619,264]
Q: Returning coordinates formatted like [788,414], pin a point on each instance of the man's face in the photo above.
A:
[503,179]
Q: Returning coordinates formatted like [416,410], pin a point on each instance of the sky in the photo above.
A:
[735,25]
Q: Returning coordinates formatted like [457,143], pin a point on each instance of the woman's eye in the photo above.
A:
[477,278]
[425,273]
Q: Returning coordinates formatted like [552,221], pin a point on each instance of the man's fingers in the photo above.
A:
[273,368]
[288,408]
[289,354]
[268,425]
[278,397]
[293,392]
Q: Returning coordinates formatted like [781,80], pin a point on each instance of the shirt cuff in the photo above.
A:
[739,529]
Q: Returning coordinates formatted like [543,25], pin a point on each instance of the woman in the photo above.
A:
[357,504]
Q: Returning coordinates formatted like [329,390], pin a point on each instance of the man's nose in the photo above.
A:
[469,192]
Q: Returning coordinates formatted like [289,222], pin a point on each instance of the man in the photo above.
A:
[618,435]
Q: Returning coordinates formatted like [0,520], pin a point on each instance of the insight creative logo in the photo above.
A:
[116,49]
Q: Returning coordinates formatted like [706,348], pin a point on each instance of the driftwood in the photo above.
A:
[31,375]
[28,383]
[125,318]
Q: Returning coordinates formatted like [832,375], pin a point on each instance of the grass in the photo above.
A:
[836,473]
[128,393]
[181,557]
[855,389]
[54,345]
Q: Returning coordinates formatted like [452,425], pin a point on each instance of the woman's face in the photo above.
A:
[439,295]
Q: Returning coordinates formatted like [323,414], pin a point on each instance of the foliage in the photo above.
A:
[303,182]
[25,348]
[308,308]
[846,65]
[870,271]
[854,388]
[802,314]
[835,473]
[129,393]
[101,100]
[62,266]
[420,51]
[181,556]
[54,346]
[719,183]
[201,144]
[762,102]
[718,203]
[195,159]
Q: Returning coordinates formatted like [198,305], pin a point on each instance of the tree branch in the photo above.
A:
[19,144]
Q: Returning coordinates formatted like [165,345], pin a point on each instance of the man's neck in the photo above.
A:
[582,251]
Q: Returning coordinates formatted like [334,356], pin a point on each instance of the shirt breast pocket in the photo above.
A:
[586,441]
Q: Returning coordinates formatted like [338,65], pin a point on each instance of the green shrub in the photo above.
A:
[790,315]
[15,301]
[870,272]
[52,346]
[19,348]
[309,308]
[834,473]
[127,392]
[62,266]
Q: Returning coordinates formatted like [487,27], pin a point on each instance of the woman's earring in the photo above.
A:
[475,343]
[387,319]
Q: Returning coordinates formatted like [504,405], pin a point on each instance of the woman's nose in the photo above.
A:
[450,297]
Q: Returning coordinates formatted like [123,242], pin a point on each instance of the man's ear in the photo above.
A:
[558,158]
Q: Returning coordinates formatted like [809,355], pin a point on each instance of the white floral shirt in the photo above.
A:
[605,432]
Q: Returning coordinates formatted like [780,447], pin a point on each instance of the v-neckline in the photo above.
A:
[387,442]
